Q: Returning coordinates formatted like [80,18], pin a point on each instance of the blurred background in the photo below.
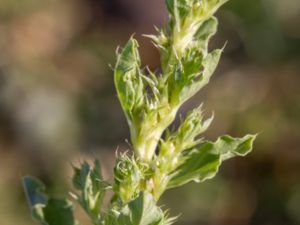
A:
[58,105]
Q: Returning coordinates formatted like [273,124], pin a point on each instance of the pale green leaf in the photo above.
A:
[202,163]
[142,211]
[205,32]
[127,77]
[179,8]
[209,64]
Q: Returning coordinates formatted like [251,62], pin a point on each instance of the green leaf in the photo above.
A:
[47,211]
[128,80]
[210,63]
[196,82]
[229,147]
[142,211]
[202,163]
[58,212]
[89,182]
[170,5]
[34,191]
[205,32]
[179,8]
[184,76]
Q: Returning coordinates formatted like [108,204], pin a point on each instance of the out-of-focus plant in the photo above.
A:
[161,158]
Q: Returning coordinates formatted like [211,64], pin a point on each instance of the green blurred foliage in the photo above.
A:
[58,104]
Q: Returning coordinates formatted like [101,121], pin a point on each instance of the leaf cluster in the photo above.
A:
[161,158]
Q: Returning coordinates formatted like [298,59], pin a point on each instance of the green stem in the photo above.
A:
[151,131]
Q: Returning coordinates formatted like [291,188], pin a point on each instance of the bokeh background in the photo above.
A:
[58,105]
